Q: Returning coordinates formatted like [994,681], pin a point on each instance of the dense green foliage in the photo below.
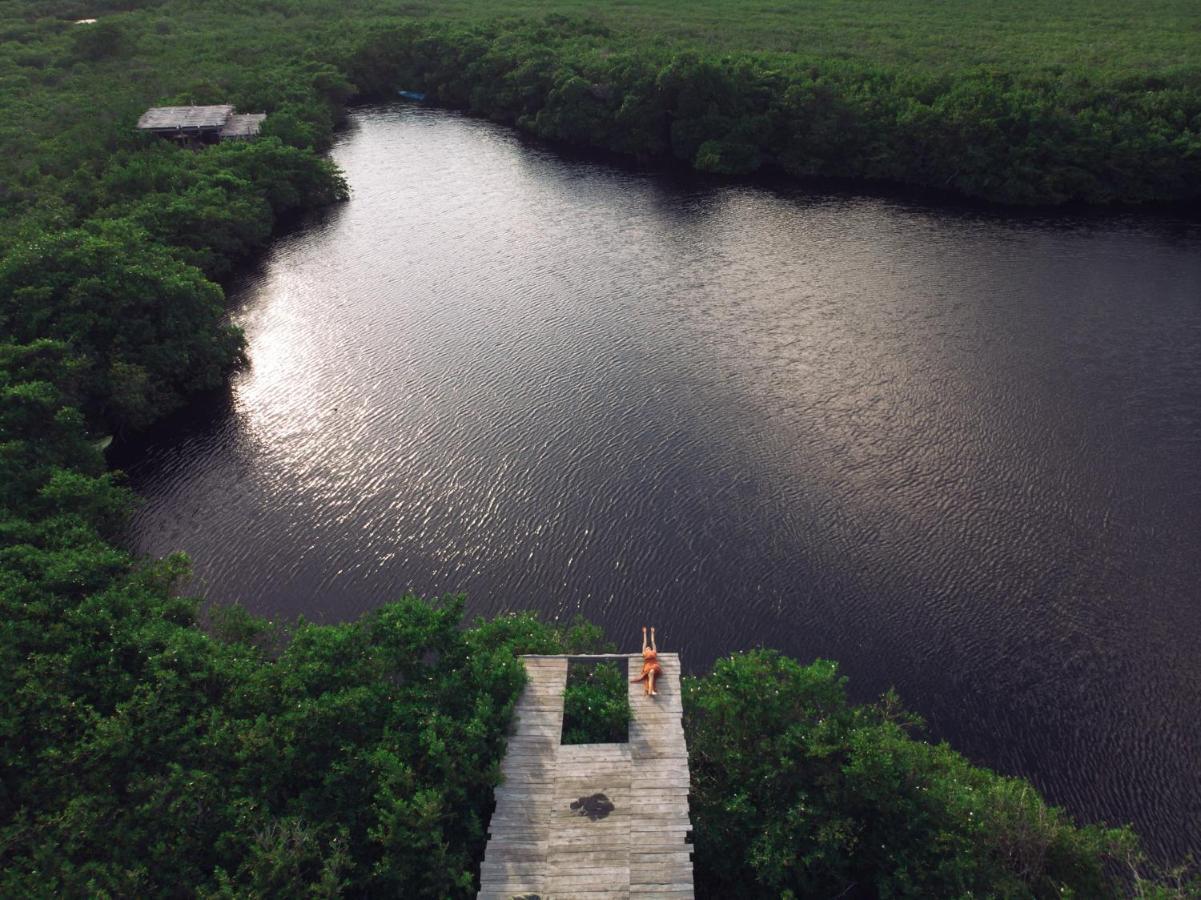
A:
[1031,138]
[798,793]
[596,704]
[148,326]
[1031,103]
[127,287]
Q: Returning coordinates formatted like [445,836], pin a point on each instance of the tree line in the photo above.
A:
[1028,138]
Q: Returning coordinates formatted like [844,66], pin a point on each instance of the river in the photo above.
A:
[959,451]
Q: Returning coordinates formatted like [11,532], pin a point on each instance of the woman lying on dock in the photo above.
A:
[650,665]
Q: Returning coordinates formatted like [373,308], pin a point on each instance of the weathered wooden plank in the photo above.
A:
[559,887]
[652,772]
[614,841]
[684,886]
[539,845]
[517,776]
[681,853]
[517,855]
[611,854]
[660,873]
[653,769]
[659,807]
[639,819]
[494,872]
[617,853]
[602,783]
[668,875]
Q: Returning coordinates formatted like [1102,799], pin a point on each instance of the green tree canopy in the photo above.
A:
[148,327]
[798,793]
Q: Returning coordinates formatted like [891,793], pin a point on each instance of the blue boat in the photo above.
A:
[412,95]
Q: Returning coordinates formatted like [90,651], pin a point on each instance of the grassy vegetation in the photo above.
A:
[1098,38]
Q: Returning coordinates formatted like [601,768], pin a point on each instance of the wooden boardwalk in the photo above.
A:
[552,838]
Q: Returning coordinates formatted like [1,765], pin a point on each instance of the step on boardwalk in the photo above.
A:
[552,838]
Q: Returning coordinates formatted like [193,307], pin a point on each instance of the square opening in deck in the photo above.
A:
[596,703]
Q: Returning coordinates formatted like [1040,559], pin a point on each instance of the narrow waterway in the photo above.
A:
[957,451]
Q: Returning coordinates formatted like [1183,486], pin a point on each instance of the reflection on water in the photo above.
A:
[958,452]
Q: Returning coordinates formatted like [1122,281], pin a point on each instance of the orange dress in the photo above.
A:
[650,663]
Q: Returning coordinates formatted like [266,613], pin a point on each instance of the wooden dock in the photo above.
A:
[552,837]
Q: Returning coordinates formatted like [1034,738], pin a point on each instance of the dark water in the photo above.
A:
[959,452]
